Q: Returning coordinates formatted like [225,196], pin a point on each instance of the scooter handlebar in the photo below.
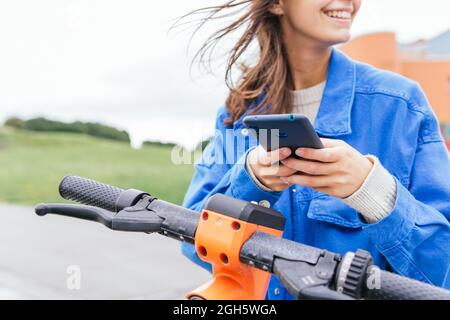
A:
[261,250]
[395,287]
[97,194]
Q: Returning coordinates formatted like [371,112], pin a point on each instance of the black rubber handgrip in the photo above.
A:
[395,287]
[90,192]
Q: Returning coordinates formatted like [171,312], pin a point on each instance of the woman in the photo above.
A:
[382,182]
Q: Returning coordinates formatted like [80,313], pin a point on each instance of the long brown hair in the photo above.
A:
[270,76]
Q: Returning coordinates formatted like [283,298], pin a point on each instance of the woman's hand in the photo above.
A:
[267,168]
[338,170]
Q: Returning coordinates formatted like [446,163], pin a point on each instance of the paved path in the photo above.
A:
[35,253]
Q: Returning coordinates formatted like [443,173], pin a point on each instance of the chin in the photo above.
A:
[337,38]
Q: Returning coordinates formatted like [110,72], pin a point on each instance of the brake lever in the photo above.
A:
[137,218]
[77,211]
[307,280]
[148,215]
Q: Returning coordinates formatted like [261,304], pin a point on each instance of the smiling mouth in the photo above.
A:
[338,14]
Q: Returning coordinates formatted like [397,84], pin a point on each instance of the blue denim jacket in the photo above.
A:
[379,113]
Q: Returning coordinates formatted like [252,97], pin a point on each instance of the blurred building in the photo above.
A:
[426,61]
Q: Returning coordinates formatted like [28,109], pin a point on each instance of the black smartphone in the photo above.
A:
[276,131]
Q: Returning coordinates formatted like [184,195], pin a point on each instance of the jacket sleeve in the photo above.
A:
[415,237]
[219,170]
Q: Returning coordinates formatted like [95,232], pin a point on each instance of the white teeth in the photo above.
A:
[346,15]
[339,14]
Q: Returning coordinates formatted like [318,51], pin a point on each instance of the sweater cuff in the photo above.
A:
[375,199]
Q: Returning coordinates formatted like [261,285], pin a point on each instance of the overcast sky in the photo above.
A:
[113,61]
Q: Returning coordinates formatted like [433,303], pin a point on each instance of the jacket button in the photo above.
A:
[264,203]
[276,291]
[244,132]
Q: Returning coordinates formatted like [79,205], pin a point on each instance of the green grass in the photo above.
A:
[33,163]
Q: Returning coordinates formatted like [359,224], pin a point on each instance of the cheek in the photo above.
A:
[320,3]
[305,14]
[305,18]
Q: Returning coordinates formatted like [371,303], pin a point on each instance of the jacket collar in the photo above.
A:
[334,116]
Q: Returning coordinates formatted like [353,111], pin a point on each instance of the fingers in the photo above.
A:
[309,167]
[322,155]
[269,158]
[277,170]
[333,151]
[329,143]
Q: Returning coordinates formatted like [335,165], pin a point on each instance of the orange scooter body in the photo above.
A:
[218,241]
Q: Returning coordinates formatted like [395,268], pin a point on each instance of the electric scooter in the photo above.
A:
[242,241]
